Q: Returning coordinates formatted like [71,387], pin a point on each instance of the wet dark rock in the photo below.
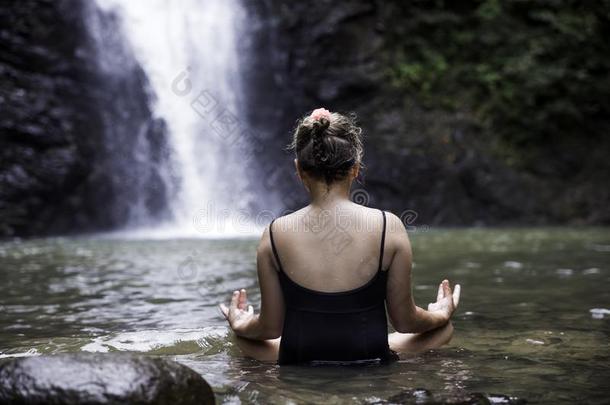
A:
[432,162]
[505,399]
[74,109]
[423,396]
[84,378]
[414,396]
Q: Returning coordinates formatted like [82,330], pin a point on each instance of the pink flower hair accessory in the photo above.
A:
[320,113]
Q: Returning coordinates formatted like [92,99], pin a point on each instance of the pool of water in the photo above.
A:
[533,321]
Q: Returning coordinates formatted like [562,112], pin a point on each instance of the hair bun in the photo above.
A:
[320,125]
[327,145]
[318,132]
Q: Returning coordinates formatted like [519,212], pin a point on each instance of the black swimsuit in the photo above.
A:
[334,326]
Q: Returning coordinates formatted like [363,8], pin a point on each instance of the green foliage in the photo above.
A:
[532,75]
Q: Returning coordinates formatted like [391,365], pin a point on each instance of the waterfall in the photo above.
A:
[189,51]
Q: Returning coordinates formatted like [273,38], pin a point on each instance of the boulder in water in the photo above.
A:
[95,378]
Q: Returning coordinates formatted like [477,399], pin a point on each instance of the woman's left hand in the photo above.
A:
[238,313]
[446,299]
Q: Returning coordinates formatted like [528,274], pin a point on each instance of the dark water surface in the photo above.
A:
[533,322]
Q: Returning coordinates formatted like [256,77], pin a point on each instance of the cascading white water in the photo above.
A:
[188,49]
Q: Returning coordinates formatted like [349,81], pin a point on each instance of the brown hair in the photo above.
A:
[327,148]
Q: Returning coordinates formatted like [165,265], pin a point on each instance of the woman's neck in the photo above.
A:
[325,196]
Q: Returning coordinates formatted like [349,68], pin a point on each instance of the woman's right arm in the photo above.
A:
[269,323]
[404,315]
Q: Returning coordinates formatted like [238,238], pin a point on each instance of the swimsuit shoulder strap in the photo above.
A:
[382,241]
[277,257]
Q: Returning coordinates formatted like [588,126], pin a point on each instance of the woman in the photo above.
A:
[328,271]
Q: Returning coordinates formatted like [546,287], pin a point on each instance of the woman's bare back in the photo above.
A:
[330,250]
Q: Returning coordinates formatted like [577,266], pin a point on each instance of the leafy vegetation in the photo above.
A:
[534,76]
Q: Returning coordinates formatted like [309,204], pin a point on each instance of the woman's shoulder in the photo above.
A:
[393,223]
[306,217]
[377,212]
[287,220]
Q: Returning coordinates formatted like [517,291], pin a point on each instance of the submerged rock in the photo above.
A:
[101,379]
[423,396]
[417,396]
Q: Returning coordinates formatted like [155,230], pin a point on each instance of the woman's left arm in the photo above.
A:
[269,323]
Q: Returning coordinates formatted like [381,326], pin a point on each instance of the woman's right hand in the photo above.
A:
[446,300]
[239,314]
